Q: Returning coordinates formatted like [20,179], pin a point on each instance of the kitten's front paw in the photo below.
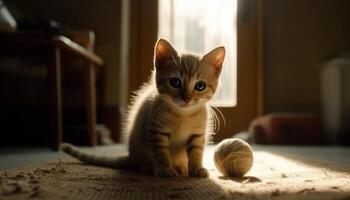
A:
[199,172]
[165,172]
[182,170]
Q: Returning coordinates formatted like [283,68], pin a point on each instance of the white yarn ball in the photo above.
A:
[233,157]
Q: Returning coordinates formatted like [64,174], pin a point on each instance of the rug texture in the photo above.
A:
[272,177]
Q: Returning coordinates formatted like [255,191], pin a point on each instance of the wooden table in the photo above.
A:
[51,47]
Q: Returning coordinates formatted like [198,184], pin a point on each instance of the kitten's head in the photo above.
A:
[186,81]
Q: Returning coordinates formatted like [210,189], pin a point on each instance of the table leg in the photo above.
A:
[54,70]
[90,98]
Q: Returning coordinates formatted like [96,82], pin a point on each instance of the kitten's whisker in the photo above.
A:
[216,120]
[222,116]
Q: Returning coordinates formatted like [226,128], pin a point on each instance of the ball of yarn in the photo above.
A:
[233,157]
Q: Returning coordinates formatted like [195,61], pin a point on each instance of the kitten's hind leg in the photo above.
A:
[145,168]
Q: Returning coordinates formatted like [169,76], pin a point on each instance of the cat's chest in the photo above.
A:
[181,127]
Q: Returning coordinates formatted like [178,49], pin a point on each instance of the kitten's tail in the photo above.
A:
[122,162]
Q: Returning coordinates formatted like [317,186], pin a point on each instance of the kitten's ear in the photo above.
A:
[215,58]
[163,52]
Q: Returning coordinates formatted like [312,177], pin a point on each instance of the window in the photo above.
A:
[199,26]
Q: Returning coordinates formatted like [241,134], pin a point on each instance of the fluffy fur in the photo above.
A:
[169,118]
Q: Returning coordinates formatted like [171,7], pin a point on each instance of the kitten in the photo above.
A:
[169,117]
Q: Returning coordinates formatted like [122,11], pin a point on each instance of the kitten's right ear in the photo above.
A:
[215,58]
[163,52]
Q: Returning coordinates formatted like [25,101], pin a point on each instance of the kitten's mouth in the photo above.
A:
[183,104]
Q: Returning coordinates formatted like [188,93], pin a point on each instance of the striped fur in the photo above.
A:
[166,134]
[119,162]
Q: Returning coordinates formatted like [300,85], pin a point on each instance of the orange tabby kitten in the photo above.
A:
[169,117]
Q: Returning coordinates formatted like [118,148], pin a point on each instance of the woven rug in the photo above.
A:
[272,177]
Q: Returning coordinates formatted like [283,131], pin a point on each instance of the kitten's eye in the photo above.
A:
[200,86]
[175,82]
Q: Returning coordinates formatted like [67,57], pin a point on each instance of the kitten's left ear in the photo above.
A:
[163,52]
[215,58]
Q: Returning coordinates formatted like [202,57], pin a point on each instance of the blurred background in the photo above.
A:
[67,68]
